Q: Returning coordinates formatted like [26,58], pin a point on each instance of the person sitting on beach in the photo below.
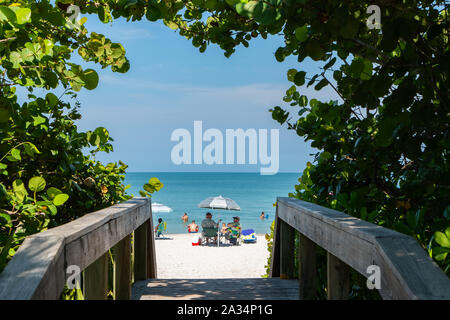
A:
[185,218]
[224,228]
[234,230]
[193,227]
[208,223]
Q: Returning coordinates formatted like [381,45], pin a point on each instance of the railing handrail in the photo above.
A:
[407,272]
[38,269]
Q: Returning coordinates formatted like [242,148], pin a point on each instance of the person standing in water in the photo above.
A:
[262,216]
[185,218]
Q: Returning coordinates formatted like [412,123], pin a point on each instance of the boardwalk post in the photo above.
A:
[287,248]
[338,278]
[151,251]
[275,261]
[96,279]
[122,269]
[140,252]
[307,268]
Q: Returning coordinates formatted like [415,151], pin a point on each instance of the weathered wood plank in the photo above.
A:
[122,269]
[95,280]
[222,289]
[307,268]
[344,239]
[287,247]
[85,249]
[140,252]
[406,270]
[338,278]
[35,272]
[275,260]
[92,221]
[411,273]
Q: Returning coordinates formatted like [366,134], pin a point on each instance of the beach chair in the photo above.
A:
[208,233]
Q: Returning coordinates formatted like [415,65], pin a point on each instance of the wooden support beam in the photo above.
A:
[338,278]
[151,251]
[307,274]
[95,279]
[122,269]
[287,251]
[275,261]
[140,252]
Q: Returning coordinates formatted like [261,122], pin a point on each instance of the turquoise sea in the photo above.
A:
[183,191]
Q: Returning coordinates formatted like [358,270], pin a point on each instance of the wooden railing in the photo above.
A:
[39,268]
[406,271]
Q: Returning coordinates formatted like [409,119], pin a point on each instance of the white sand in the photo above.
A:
[178,259]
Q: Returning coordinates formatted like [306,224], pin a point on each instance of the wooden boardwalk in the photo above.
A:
[40,268]
[216,289]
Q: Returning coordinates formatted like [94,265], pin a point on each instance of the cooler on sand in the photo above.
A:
[196,241]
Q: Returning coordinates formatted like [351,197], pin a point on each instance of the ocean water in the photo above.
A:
[183,191]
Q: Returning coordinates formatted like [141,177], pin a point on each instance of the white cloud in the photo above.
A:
[254,93]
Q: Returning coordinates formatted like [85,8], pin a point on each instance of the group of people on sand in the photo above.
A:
[231,231]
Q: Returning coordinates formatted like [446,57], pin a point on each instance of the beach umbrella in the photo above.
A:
[159,207]
[219,203]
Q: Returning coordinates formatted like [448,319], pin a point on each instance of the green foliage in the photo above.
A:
[45,187]
[38,43]
[28,213]
[440,252]
[383,144]
[72,294]
[36,47]
[269,239]
[153,185]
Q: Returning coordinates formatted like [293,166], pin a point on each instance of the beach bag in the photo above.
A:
[196,241]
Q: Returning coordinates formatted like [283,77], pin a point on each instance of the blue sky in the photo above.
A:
[171,84]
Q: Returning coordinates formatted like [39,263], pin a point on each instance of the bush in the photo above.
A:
[41,144]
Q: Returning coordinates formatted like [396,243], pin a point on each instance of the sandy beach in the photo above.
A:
[178,259]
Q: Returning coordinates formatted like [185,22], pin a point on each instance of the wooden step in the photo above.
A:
[216,289]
